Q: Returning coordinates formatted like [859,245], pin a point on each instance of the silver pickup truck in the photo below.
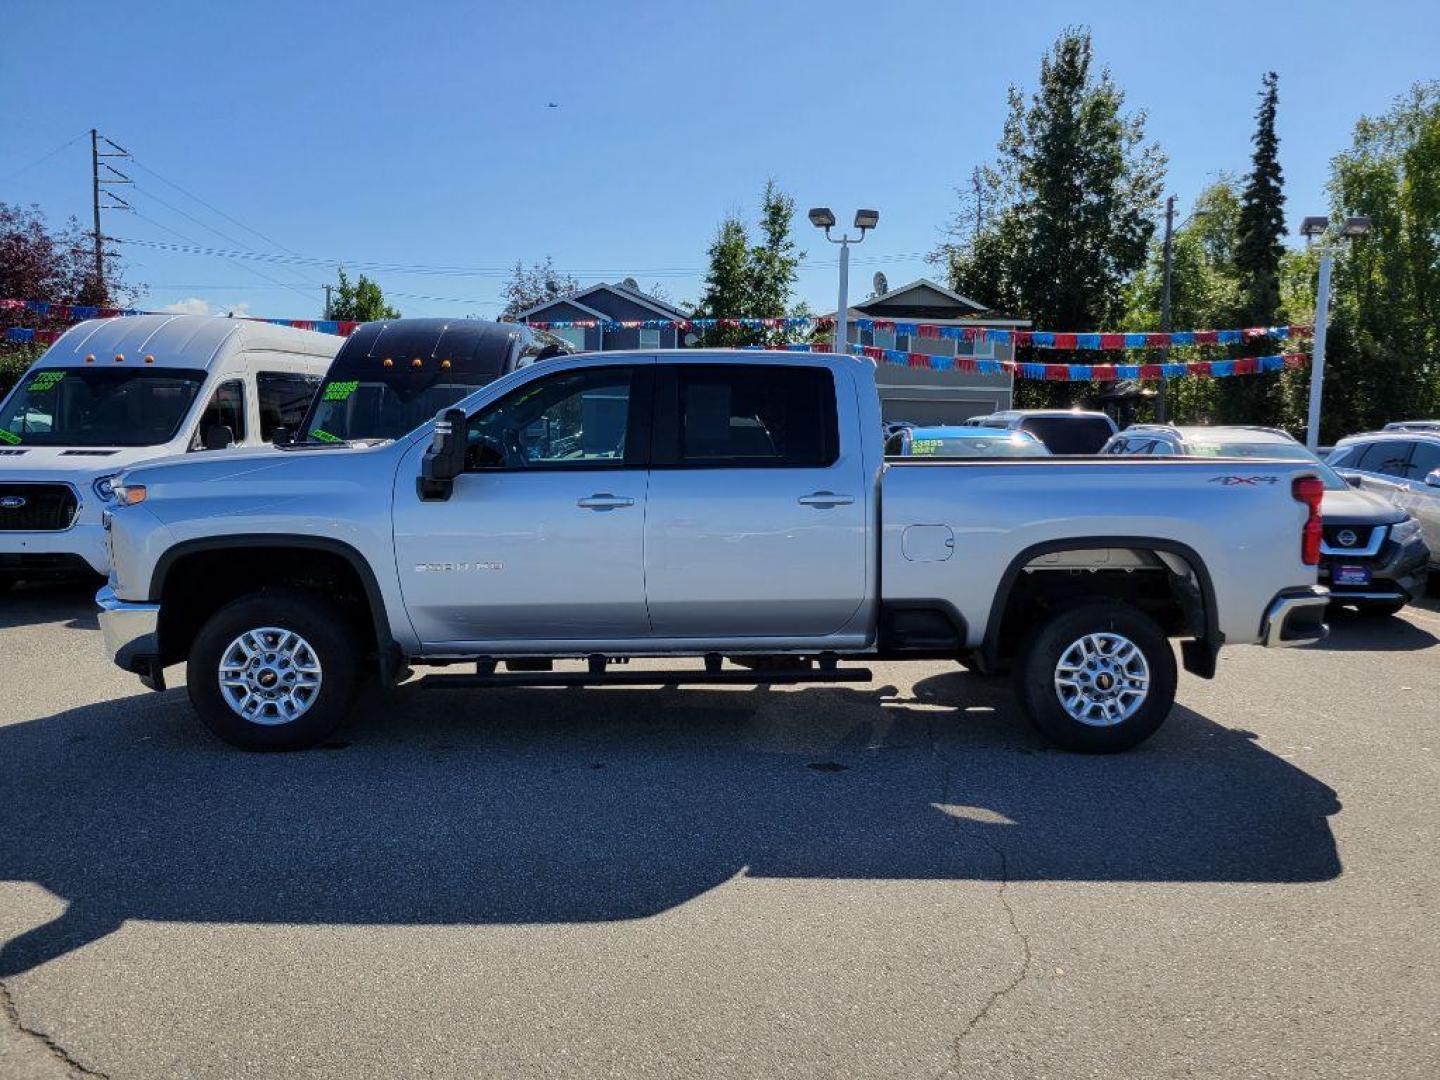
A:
[734,507]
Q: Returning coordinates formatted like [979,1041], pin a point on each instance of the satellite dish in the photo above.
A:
[880,285]
[631,283]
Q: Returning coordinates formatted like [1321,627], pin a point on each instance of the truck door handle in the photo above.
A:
[824,499]
[603,500]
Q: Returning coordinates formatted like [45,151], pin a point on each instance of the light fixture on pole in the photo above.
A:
[865,220]
[1315,228]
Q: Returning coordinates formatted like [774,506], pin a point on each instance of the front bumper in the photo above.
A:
[131,633]
[1398,574]
[36,550]
[1296,617]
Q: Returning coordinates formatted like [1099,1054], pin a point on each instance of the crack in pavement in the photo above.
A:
[55,1050]
[1002,894]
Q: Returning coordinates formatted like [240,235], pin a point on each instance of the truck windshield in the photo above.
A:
[347,409]
[98,406]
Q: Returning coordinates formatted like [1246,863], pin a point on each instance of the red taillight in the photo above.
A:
[1309,490]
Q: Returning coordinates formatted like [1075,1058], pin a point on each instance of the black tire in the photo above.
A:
[1053,638]
[323,627]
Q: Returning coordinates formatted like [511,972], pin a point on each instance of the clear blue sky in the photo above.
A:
[419,133]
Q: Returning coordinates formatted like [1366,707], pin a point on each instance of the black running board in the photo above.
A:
[647,678]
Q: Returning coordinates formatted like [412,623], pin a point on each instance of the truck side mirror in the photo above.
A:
[281,436]
[219,437]
[445,459]
[1432,478]
[1353,479]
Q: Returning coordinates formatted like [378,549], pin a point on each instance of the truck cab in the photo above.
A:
[112,393]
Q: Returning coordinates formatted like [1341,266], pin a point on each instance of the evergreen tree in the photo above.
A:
[1259,247]
[751,281]
[773,261]
[727,285]
[1074,193]
[1259,250]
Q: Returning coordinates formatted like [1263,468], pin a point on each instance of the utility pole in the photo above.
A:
[95,205]
[327,301]
[1165,298]
[101,186]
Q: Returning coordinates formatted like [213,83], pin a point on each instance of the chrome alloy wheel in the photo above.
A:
[1102,679]
[269,676]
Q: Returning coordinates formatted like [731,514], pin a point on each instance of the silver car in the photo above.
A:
[1403,465]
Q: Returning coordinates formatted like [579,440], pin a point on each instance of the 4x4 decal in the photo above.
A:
[1251,481]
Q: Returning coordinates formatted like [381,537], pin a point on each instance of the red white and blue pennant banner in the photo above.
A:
[1215,369]
[1041,339]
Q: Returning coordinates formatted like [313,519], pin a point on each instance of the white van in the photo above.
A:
[114,392]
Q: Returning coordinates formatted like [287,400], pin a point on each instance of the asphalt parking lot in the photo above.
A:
[892,880]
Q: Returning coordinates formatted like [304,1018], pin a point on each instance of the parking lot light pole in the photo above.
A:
[1313,228]
[822,218]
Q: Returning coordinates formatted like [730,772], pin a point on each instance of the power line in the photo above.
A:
[455,271]
[43,158]
[243,266]
[212,207]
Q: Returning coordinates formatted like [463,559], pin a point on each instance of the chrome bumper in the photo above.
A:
[1296,618]
[130,631]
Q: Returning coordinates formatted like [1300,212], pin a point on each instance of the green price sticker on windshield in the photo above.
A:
[922,447]
[321,435]
[9,437]
[45,381]
[339,391]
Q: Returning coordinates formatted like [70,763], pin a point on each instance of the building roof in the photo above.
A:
[661,308]
[929,301]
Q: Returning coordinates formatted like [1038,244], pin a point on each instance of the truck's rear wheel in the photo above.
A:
[274,671]
[1098,677]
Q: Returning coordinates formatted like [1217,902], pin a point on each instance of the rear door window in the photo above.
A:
[284,398]
[746,416]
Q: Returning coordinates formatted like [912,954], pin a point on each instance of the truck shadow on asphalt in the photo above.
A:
[69,602]
[1352,631]
[536,806]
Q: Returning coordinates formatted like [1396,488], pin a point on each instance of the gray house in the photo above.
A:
[621,302]
[922,394]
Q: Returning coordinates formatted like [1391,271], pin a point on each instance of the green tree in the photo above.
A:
[1073,194]
[748,280]
[727,289]
[1204,290]
[1259,251]
[775,259]
[1383,356]
[527,288]
[359,301]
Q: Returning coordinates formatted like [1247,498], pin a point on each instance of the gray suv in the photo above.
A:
[1372,555]
[1401,465]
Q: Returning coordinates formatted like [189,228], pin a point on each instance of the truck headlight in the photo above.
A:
[105,486]
[128,494]
[1402,532]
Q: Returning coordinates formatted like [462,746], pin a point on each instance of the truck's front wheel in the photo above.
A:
[274,671]
[1098,677]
